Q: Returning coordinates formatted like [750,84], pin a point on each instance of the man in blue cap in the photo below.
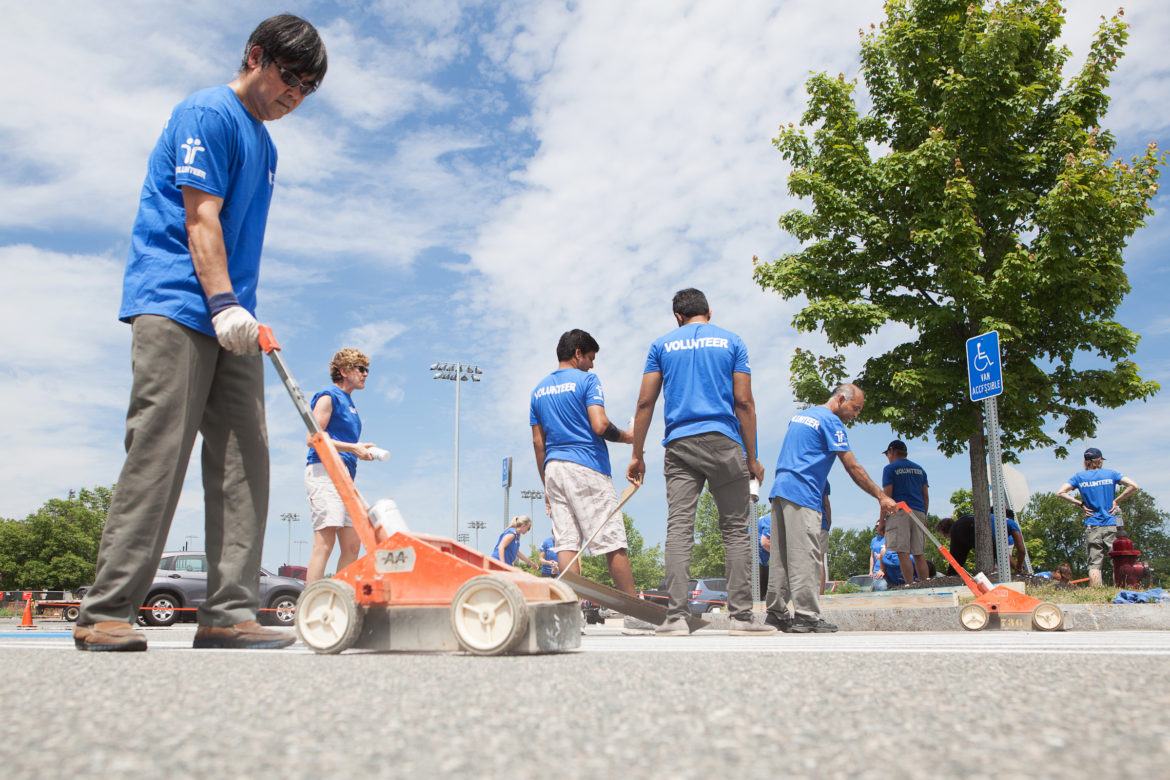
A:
[1099,501]
[904,480]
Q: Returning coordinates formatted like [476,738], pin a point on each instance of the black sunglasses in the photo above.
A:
[290,79]
[363,369]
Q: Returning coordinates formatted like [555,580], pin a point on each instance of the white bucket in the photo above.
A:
[385,514]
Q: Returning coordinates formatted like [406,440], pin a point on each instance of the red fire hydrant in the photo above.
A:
[1128,571]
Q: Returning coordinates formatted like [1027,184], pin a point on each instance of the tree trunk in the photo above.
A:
[980,496]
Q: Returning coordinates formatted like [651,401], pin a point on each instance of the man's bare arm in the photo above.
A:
[647,398]
[601,424]
[862,480]
[538,449]
[745,412]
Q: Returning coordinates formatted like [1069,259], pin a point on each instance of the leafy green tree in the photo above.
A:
[975,193]
[707,558]
[961,502]
[1054,531]
[848,552]
[55,547]
[645,563]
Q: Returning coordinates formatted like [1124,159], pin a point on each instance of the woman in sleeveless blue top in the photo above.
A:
[507,547]
[336,414]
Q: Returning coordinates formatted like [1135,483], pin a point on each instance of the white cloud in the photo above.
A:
[373,337]
[65,374]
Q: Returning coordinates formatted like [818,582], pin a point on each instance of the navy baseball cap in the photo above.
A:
[897,445]
[1093,453]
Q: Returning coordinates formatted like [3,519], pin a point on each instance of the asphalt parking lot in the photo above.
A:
[857,704]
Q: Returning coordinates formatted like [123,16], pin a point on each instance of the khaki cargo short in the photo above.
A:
[905,535]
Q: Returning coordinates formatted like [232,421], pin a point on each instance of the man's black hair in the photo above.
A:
[690,303]
[573,340]
[293,42]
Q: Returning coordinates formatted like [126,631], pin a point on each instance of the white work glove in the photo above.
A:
[237,330]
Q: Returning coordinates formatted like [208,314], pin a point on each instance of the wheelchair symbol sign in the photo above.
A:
[984,373]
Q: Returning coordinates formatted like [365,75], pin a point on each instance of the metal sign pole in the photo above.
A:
[754,530]
[1002,561]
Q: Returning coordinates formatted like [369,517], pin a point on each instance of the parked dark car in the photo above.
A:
[180,584]
[705,594]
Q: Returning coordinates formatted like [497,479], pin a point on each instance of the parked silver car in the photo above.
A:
[180,585]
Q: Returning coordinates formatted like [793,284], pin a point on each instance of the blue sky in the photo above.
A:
[471,180]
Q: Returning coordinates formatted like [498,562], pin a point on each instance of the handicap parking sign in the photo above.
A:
[984,373]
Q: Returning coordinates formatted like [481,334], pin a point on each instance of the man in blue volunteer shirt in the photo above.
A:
[765,526]
[905,480]
[814,441]
[1100,503]
[877,548]
[705,378]
[190,296]
[569,431]
[548,558]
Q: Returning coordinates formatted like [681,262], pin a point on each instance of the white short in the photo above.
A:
[581,498]
[325,502]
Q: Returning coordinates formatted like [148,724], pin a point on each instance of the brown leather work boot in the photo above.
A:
[108,636]
[241,636]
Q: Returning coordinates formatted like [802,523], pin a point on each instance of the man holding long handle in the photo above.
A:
[815,440]
[190,296]
[704,375]
[569,434]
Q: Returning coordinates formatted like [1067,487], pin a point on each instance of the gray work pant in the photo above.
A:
[796,561]
[718,461]
[184,384]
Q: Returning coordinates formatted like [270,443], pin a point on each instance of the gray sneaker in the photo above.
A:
[750,626]
[675,626]
[631,626]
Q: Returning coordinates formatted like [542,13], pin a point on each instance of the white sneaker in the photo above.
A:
[632,626]
[749,627]
[675,626]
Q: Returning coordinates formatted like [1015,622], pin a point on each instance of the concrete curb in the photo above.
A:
[1077,617]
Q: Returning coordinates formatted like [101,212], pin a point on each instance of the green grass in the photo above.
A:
[1085,594]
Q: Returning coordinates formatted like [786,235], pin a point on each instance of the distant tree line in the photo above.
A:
[55,548]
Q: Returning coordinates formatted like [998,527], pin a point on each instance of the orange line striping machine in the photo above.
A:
[418,592]
[996,606]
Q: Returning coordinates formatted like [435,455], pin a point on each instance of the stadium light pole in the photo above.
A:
[531,495]
[456,372]
[477,525]
[290,518]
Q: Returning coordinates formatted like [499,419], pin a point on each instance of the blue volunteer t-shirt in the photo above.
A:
[560,406]
[344,425]
[810,447]
[546,549]
[1098,488]
[893,568]
[697,362]
[765,530]
[1012,525]
[824,517]
[512,550]
[908,479]
[875,547]
[213,144]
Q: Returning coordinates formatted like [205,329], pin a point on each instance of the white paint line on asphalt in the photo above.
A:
[1117,643]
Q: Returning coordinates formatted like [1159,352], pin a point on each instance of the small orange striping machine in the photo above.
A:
[996,606]
[418,592]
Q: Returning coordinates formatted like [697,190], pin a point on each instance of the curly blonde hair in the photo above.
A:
[346,358]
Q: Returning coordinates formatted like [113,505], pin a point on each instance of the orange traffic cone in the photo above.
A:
[26,621]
